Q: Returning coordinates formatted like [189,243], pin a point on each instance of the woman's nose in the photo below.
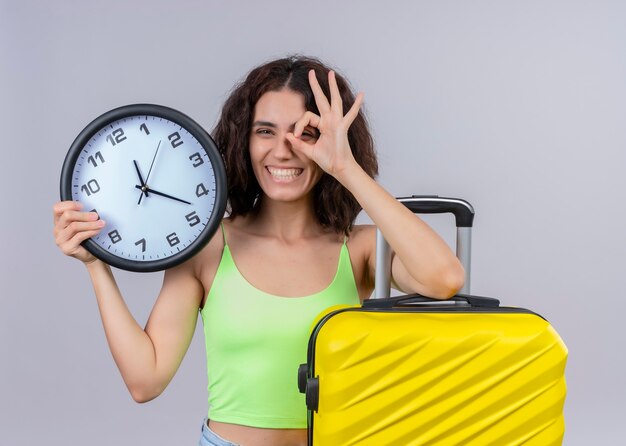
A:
[283,148]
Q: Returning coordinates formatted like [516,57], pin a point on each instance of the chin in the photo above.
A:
[287,196]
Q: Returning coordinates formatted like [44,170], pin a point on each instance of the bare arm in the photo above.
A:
[423,262]
[147,359]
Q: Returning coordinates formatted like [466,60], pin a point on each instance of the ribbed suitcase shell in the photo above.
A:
[436,376]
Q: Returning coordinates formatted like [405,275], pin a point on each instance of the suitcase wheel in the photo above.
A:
[303,372]
[312,393]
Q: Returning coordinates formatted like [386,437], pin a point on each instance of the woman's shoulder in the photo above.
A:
[362,240]
[234,230]
[211,253]
[362,232]
[204,265]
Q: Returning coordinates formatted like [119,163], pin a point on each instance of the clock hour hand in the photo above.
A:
[146,189]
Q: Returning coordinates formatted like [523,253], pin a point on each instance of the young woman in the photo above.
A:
[300,165]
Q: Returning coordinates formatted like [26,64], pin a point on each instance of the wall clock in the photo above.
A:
[155,177]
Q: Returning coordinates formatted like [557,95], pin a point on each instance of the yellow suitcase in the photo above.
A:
[415,371]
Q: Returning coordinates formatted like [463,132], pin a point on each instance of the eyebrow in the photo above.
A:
[272,125]
[263,124]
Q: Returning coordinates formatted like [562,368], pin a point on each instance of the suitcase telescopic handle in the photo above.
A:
[429,204]
[433,204]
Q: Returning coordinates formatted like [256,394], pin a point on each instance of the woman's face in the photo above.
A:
[283,174]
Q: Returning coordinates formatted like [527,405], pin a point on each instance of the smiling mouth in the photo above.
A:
[282,174]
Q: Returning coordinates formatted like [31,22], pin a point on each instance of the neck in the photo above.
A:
[287,220]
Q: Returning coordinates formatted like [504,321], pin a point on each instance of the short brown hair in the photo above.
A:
[335,207]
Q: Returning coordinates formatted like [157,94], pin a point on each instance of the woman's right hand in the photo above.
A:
[72,227]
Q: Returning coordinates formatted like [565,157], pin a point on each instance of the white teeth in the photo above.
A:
[284,174]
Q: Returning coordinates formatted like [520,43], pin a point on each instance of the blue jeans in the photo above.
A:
[210,438]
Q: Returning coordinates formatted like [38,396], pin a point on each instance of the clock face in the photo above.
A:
[155,177]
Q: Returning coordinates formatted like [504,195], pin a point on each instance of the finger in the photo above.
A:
[82,236]
[70,216]
[320,98]
[69,232]
[300,146]
[354,110]
[336,104]
[62,206]
[308,118]
[71,246]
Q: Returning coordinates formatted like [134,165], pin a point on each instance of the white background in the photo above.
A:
[517,106]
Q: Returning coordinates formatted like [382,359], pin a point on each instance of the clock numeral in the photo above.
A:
[92,187]
[175,140]
[115,236]
[192,218]
[97,156]
[116,137]
[197,159]
[144,128]
[141,242]
[173,239]
[201,190]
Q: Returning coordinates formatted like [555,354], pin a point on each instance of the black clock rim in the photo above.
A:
[207,143]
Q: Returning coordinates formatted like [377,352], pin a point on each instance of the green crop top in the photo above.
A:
[255,342]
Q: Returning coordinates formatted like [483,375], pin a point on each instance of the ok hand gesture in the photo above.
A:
[331,151]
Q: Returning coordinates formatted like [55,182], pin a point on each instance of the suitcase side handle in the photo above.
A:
[429,204]
[393,302]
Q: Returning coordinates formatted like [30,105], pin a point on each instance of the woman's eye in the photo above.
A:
[308,135]
[263,132]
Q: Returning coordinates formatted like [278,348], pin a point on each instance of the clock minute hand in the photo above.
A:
[147,189]
[141,181]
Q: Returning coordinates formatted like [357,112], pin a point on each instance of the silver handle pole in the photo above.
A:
[382,278]
[464,253]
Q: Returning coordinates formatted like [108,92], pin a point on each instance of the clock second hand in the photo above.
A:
[147,189]
[145,184]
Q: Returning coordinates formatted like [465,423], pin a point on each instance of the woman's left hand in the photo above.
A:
[331,151]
